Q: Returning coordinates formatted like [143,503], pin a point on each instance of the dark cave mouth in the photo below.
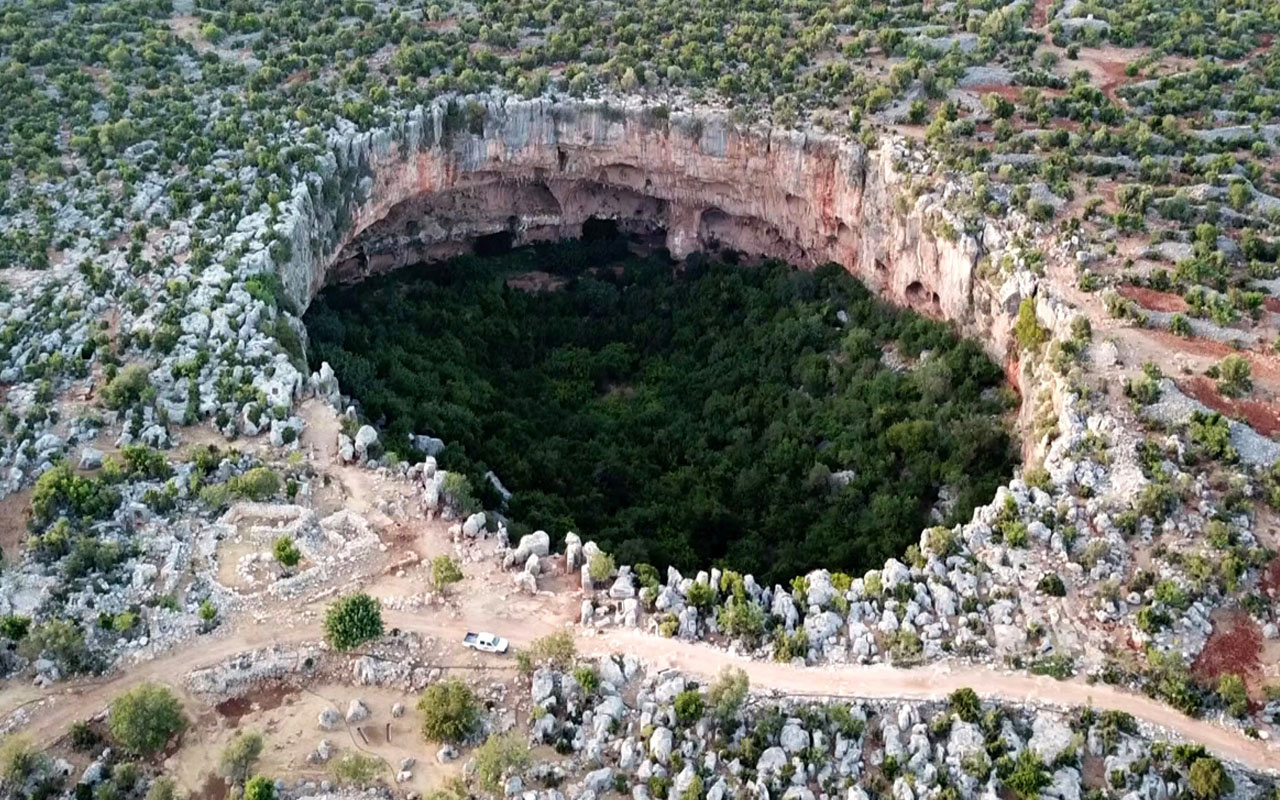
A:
[687,414]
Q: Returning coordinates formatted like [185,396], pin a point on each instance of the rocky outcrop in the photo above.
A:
[443,176]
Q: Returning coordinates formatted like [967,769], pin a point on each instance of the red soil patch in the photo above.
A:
[1262,417]
[1040,13]
[1271,303]
[1266,365]
[1153,299]
[1234,647]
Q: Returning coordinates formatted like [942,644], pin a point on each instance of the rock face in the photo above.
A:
[447,174]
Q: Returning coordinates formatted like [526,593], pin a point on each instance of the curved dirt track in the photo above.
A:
[933,682]
[51,719]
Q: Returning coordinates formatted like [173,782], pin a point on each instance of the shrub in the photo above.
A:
[63,641]
[965,704]
[1052,585]
[1026,329]
[701,595]
[1207,779]
[286,552]
[727,694]
[450,711]
[1234,696]
[444,572]
[19,759]
[1234,376]
[689,706]
[587,679]
[127,387]
[352,621]
[142,720]
[163,788]
[355,769]
[555,649]
[61,491]
[1029,775]
[257,484]
[500,755]
[239,755]
[601,567]
[260,788]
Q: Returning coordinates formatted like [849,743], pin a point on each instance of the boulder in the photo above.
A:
[330,719]
[794,739]
[357,711]
[660,744]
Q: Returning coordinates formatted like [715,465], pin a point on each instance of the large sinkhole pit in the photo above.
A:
[760,417]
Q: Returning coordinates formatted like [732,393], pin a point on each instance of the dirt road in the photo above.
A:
[50,719]
[933,682]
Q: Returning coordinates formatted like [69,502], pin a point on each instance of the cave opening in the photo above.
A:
[494,244]
[761,417]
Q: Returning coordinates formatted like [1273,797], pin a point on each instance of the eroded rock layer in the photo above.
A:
[434,182]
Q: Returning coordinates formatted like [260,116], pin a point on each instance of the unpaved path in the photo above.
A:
[930,683]
[52,718]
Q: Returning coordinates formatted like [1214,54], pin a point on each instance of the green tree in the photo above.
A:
[352,621]
[144,719]
[450,711]
[444,572]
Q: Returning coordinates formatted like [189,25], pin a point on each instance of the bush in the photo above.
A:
[444,572]
[19,759]
[701,596]
[1026,329]
[163,788]
[1207,779]
[127,387]
[1052,585]
[1234,376]
[60,491]
[258,484]
[1029,775]
[239,756]
[355,769]
[727,694]
[689,706]
[450,711]
[601,567]
[1234,696]
[260,788]
[286,552]
[965,704]
[556,650]
[63,641]
[352,621]
[500,755]
[144,719]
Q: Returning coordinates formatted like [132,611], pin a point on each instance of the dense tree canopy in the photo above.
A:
[719,414]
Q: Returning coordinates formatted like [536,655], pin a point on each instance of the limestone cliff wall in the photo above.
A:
[444,174]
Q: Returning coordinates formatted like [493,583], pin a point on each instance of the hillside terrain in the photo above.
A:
[238,564]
